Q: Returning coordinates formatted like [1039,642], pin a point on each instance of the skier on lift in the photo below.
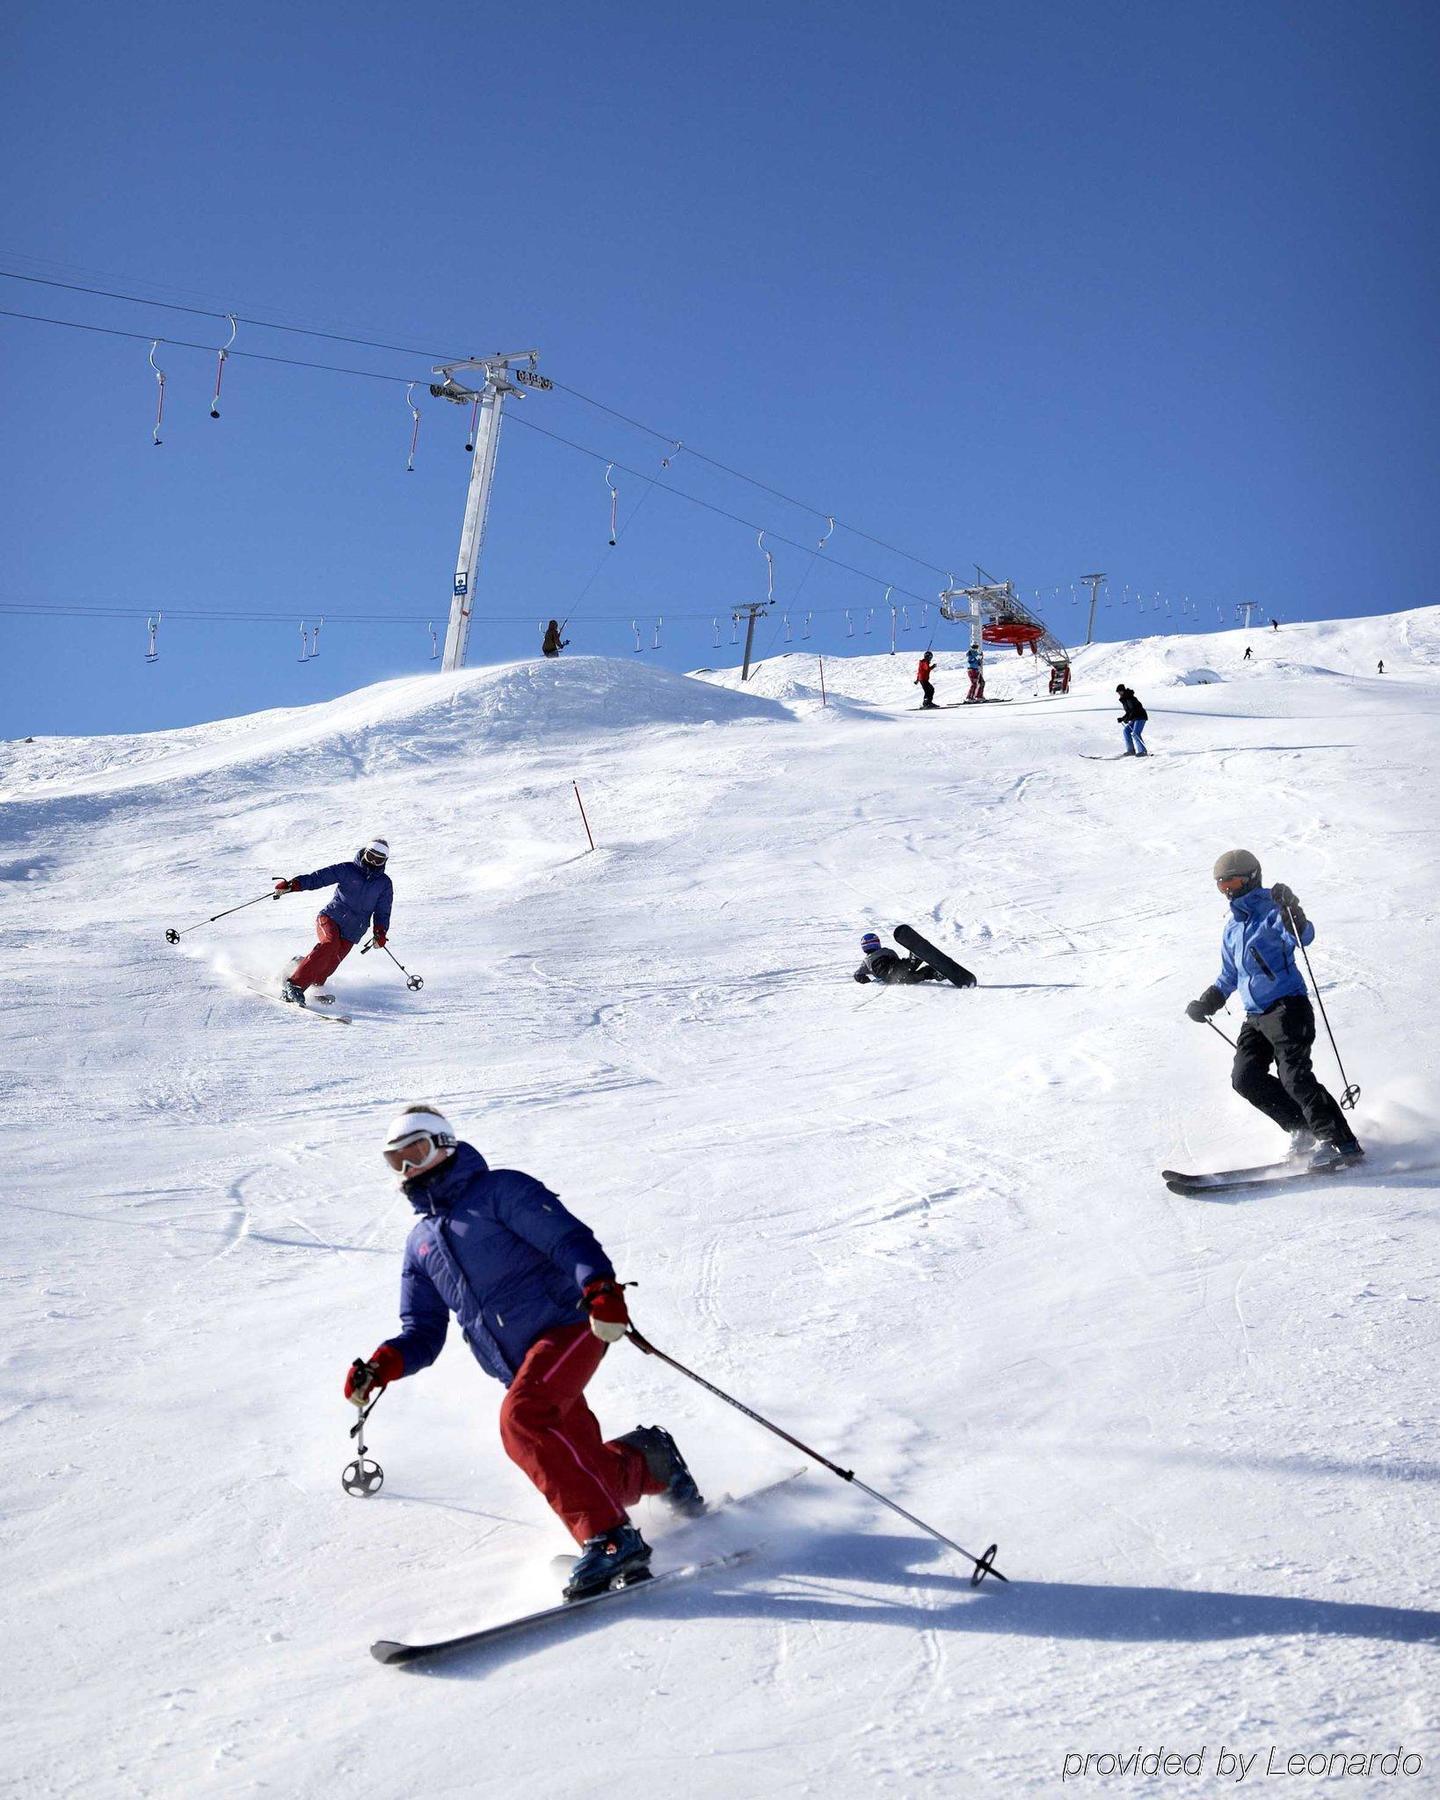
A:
[554,643]
[362,892]
[1257,958]
[537,1300]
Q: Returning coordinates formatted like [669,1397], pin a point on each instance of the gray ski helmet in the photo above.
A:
[1242,863]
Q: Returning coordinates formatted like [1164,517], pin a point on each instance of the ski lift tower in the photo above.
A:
[488,400]
[1246,609]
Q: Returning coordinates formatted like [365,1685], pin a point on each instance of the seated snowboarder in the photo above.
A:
[538,1303]
[890,967]
[1257,958]
[362,892]
[554,643]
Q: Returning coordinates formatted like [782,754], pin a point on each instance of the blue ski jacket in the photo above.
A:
[498,1250]
[360,895]
[974,657]
[1257,953]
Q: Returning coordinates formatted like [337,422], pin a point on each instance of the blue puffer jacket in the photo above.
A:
[1257,953]
[360,894]
[498,1250]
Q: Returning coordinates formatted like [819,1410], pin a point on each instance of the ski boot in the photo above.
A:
[613,1559]
[665,1463]
[1302,1142]
[289,991]
[1328,1156]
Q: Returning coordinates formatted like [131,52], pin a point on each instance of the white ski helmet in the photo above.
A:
[419,1139]
[376,853]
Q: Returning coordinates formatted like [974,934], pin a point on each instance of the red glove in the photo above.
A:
[365,1380]
[609,1314]
[380,936]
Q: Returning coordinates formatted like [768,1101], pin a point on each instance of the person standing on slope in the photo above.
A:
[362,892]
[1257,959]
[1246,656]
[538,1303]
[922,679]
[975,662]
[1133,717]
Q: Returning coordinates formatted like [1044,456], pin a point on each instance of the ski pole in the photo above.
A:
[364,1476]
[1220,1034]
[984,1565]
[1352,1089]
[173,937]
[413,982]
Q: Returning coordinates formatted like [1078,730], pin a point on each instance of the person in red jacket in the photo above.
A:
[922,679]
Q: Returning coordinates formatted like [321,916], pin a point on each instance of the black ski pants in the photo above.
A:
[1292,1096]
[929,690]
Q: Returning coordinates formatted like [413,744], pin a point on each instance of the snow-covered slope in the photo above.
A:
[923,1229]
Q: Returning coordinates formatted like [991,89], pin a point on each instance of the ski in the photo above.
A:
[265,993]
[937,959]
[1229,1181]
[386,1650]
[1120,756]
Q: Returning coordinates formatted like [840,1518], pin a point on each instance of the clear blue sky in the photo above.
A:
[1142,288]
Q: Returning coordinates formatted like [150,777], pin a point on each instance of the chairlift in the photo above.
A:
[152,627]
[221,358]
[414,427]
[160,393]
[614,502]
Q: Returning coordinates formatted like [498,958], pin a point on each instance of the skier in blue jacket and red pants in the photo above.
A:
[538,1303]
[363,892]
[1257,960]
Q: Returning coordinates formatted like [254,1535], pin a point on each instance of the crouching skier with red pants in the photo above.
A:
[496,1249]
[363,891]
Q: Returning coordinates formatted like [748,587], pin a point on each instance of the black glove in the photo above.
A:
[1284,898]
[1200,1010]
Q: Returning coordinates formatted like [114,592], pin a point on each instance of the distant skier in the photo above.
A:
[889,967]
[1274,624]
[1257,958]
[363,892]
[975,663]
[1247,655]
[922,679]
[1133,717]
[554,643]
[1380,667]
[538,1303]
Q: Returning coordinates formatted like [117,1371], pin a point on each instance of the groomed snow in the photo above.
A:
[924,1229]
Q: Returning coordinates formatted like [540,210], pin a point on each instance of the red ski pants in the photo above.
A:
[549,1430]
[322,962]
[977,685]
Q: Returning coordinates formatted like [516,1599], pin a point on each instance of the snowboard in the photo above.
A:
[386,1650]
[937,959]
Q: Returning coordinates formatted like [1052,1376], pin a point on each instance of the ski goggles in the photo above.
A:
[1232,884]
[412,1154]
[374,860]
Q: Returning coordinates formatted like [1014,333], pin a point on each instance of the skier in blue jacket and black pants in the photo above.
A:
[1257,961]
[363,892]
